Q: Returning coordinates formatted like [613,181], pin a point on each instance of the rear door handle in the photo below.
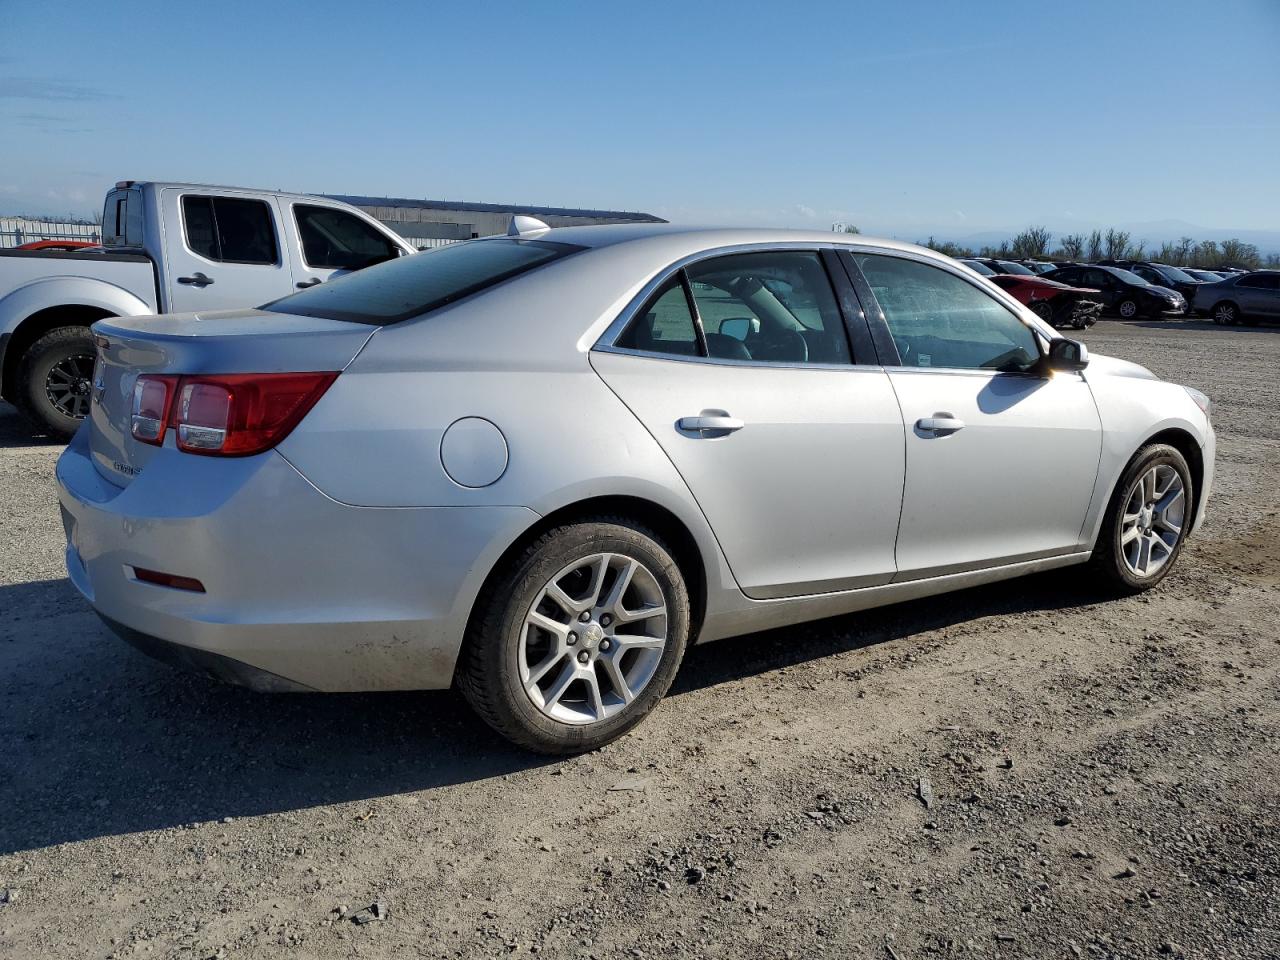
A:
[196,280]
[303,284]
[940,424]
[710,424]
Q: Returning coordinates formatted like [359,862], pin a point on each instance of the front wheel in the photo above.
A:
[578,638]
[1128,309]
[1147,520]
[55,380]
[1043,310]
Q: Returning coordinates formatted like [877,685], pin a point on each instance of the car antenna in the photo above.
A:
[522,225]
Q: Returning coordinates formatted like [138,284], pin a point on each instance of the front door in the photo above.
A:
[1000,458]
[222,250]
[740,368]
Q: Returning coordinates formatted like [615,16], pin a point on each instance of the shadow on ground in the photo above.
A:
[17,431]
[103,741]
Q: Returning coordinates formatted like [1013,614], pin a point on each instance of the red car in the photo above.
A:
[55,245]
[1053,302]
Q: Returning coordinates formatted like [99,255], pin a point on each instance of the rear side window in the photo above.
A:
[1260,281]
[230,229]
[337,240]
[665,325]
[414,285]
[938,319]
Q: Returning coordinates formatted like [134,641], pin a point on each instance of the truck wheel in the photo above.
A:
[55,380]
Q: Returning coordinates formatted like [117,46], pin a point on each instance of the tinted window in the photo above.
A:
[229,229]
[665,324]
[1260,281]
[1010,267]
[775,307]
[938,319]
[978,267]
[410,286]
[338,240]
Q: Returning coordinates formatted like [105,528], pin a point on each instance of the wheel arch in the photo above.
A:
[1187,445]
[35,326]
[662,521]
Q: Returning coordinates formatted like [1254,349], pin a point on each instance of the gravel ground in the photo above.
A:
[1023,770]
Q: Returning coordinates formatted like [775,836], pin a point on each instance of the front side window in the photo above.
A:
[938,319]
[410,286]
[337,240]
[229,229]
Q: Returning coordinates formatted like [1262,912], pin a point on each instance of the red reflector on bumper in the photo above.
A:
[168,580]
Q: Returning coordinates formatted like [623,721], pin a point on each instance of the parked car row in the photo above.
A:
[1133,289]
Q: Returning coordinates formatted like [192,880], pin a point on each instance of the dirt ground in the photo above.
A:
[1103,774]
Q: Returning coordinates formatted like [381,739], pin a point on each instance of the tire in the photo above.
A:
[1043,310]
[1113,557]
[504,651]
[1226,313]
[55,379]
[1127,308]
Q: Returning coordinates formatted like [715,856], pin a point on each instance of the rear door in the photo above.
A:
[222,250]
[1258,294]
[740,367]
[1000,458]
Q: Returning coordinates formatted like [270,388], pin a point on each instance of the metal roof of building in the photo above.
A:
[469,207]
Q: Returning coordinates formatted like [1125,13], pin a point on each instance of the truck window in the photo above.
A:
[229,229]
[337,240]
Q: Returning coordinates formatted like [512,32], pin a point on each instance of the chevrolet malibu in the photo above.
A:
[540,466]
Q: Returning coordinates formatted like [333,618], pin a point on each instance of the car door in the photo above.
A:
[1110,287]
[1000,458]
[740,367]
[1258,295]
[222,250]
[326,240]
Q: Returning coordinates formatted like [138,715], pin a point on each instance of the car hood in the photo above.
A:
[1102,365]
[1165,292]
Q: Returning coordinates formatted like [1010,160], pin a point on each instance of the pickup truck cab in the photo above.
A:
[166,248]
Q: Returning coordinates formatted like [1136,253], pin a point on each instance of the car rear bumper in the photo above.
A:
[301,591]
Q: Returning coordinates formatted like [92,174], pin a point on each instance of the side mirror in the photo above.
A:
[1068,355]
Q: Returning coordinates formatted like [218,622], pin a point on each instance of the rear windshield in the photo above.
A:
[413,285]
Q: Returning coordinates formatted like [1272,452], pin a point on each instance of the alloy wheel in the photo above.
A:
[593,638]
[1128,310]
[1224,314]
[1153,520]
[68,384]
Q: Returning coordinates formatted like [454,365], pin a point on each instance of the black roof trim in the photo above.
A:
[627,215]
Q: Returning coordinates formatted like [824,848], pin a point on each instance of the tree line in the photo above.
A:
[1036,243]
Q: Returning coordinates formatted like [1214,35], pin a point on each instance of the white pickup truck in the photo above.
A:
[166,248]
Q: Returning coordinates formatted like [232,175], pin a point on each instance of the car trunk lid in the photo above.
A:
[216,342]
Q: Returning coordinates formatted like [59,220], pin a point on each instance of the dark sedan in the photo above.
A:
[1241,298]
[1160,275]
[1123,293]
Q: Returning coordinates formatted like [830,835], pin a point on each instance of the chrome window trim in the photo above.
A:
[605,343]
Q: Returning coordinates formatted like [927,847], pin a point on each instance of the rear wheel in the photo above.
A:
[1147,520]
[1225,314]
[55,380]
[579,638]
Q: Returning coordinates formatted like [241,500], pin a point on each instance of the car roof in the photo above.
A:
[679,236]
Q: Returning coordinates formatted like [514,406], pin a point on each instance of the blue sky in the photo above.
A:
[905,118]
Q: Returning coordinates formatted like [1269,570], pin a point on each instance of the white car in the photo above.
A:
[540,466]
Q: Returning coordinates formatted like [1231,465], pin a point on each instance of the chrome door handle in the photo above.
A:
[711,424]
[196,280]
[940,424]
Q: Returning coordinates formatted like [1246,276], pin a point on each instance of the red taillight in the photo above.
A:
[151,397]
[232,414]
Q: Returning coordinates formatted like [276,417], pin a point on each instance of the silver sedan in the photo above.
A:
[540,466]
